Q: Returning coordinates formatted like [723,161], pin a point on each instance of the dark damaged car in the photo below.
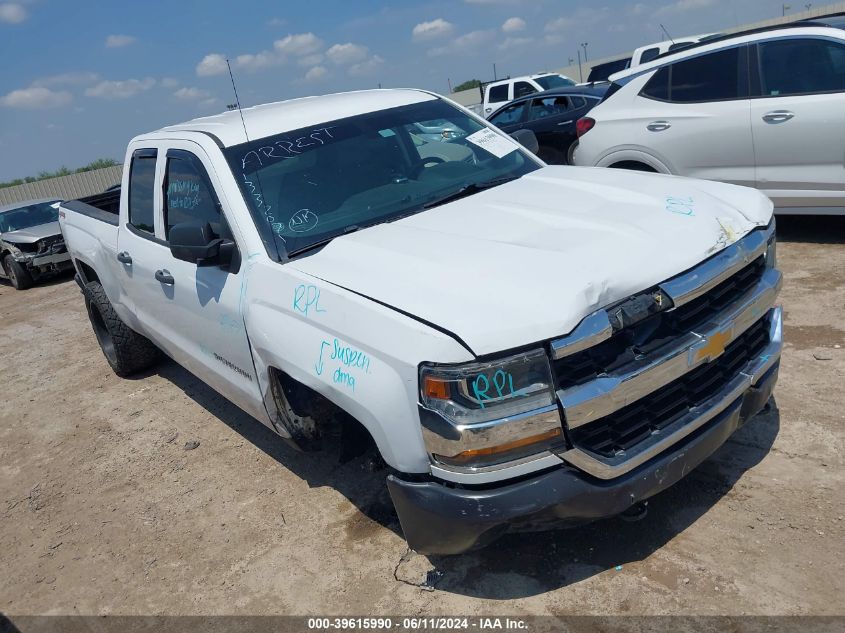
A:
[31,242]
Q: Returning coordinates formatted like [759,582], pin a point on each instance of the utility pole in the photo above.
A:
[584,46]
[494,71]
[784,9]
[580,72]
[449,80]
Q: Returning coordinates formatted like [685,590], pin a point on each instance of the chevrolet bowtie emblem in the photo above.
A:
[714,346]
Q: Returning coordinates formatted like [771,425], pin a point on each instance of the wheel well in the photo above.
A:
[314,422]
[633,165]
[87,272]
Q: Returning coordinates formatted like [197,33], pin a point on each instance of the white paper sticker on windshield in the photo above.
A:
[494,143]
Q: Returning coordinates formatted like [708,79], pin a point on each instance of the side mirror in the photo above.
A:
[527,139]
[195,242]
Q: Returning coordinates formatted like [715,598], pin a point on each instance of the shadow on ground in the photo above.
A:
[518,565]
[53,280]
[812,229]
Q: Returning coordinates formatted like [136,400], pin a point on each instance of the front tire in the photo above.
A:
[126,351]
[17,274]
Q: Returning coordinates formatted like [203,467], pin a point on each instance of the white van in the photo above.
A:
[498,93]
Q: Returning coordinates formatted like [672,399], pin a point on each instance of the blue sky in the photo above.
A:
[80,78]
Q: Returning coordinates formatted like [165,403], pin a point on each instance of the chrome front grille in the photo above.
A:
[709,305]
[648,335]
[624,429]
[51,245]
[639,376]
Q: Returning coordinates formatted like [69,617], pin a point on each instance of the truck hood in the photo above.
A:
[33,233]
[527,260]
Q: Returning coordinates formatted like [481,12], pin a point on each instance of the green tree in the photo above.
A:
[467,85]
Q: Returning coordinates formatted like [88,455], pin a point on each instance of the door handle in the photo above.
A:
[124,258]
[164,276]
[658,126]
[778,116]
[566,122]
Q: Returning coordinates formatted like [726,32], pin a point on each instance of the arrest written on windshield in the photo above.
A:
[307,186]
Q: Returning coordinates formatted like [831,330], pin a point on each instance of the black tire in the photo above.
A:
[126,351]
[17,274]
[570,153]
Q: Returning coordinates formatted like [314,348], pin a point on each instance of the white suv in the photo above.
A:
[763,108]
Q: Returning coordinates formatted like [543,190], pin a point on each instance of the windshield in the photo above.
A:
[29,216]
[307,186]
[553,81]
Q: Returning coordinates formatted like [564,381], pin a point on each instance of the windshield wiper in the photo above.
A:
[468,190]
[310,247]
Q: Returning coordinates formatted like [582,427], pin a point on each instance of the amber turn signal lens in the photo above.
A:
[467,456]
[436,388]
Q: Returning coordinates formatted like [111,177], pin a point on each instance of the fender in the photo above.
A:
[619,154]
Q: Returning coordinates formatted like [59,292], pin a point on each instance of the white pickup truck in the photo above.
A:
[527,346]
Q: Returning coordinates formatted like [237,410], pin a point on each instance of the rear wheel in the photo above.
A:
[126,351]
[633,165]
[570,153]
[17,274]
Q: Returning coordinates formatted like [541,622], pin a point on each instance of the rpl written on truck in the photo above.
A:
[527,346]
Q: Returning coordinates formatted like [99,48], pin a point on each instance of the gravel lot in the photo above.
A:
[104,511]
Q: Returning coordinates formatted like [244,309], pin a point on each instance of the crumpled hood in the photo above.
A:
[526,261]
[33,233]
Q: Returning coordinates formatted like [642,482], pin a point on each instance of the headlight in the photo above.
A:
[771,251]
[478,392]
[489,412]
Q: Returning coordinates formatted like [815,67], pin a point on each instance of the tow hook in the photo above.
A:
[636,512]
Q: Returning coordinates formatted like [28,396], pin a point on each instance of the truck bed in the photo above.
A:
[101,206]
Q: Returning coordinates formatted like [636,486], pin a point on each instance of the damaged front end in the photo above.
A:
[40,258]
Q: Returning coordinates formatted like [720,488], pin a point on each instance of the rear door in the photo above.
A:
[139,249]
[694,116]
[798,122]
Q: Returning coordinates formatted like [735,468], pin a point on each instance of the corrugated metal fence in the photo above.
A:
[64,187]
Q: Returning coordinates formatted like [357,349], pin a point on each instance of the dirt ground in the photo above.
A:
[104,511]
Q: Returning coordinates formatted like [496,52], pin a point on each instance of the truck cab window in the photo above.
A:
[498,93]
[188,195]
[522,88]
[142,173]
